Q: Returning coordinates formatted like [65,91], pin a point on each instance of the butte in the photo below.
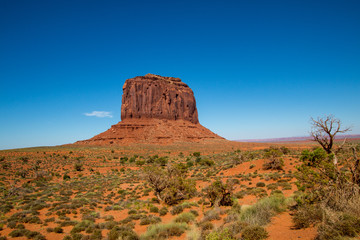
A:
[155,110]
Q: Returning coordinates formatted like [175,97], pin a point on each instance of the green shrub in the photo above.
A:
[277,191]
[212,214]
[206,225]
[206,162]
[284,150]
[223,234]
[273,160]
[349,225]
[58,230]
[237,227]
[254,233]
[154,209]
[273,164]
[164,231]
[18,233]
[11,224]
[40,237]
[150,220]
[96,235]
[219,193]
[6,166]
[177,209]
[122,232]
[33,235]
[66,176]
[81,226]
[240,194]
[77,236]
[260,184]
[162,161]
[78,166]
[313,158]
[24,159]
[132,211]
[20,226]
[170,185]
[22,173]
[123,160]
[272,186]
[185,217]
[189,163]
[163,211]
[196,154]
[140,162]
[194,212]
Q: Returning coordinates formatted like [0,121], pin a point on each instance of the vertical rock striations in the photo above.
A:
[153,96]
[155,109]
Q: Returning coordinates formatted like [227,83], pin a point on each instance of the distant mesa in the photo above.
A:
[158,110]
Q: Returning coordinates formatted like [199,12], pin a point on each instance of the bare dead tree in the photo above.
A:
[157,179]
[324,131]
[170,185]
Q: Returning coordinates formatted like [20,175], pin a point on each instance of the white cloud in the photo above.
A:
[100,114]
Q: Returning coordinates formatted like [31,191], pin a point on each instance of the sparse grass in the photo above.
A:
[261,212]
[193,233]
[223,234]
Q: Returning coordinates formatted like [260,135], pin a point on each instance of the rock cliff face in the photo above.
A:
[153,96]
[154,110]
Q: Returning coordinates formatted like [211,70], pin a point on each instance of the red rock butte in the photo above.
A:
[155,110]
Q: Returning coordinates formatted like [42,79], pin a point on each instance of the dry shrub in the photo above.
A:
[306,216]
[341,213]
[338,213]
[273,159]
[170,185]
[273,164]
[254,233]
[164,231]
[220,194]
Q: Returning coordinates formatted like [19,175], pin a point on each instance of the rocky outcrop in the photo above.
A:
[154,110]
[153,131]
[154,96]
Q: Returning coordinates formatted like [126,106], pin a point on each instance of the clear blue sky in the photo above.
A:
[259,69]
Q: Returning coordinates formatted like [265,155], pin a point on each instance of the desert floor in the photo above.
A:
[80,192]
